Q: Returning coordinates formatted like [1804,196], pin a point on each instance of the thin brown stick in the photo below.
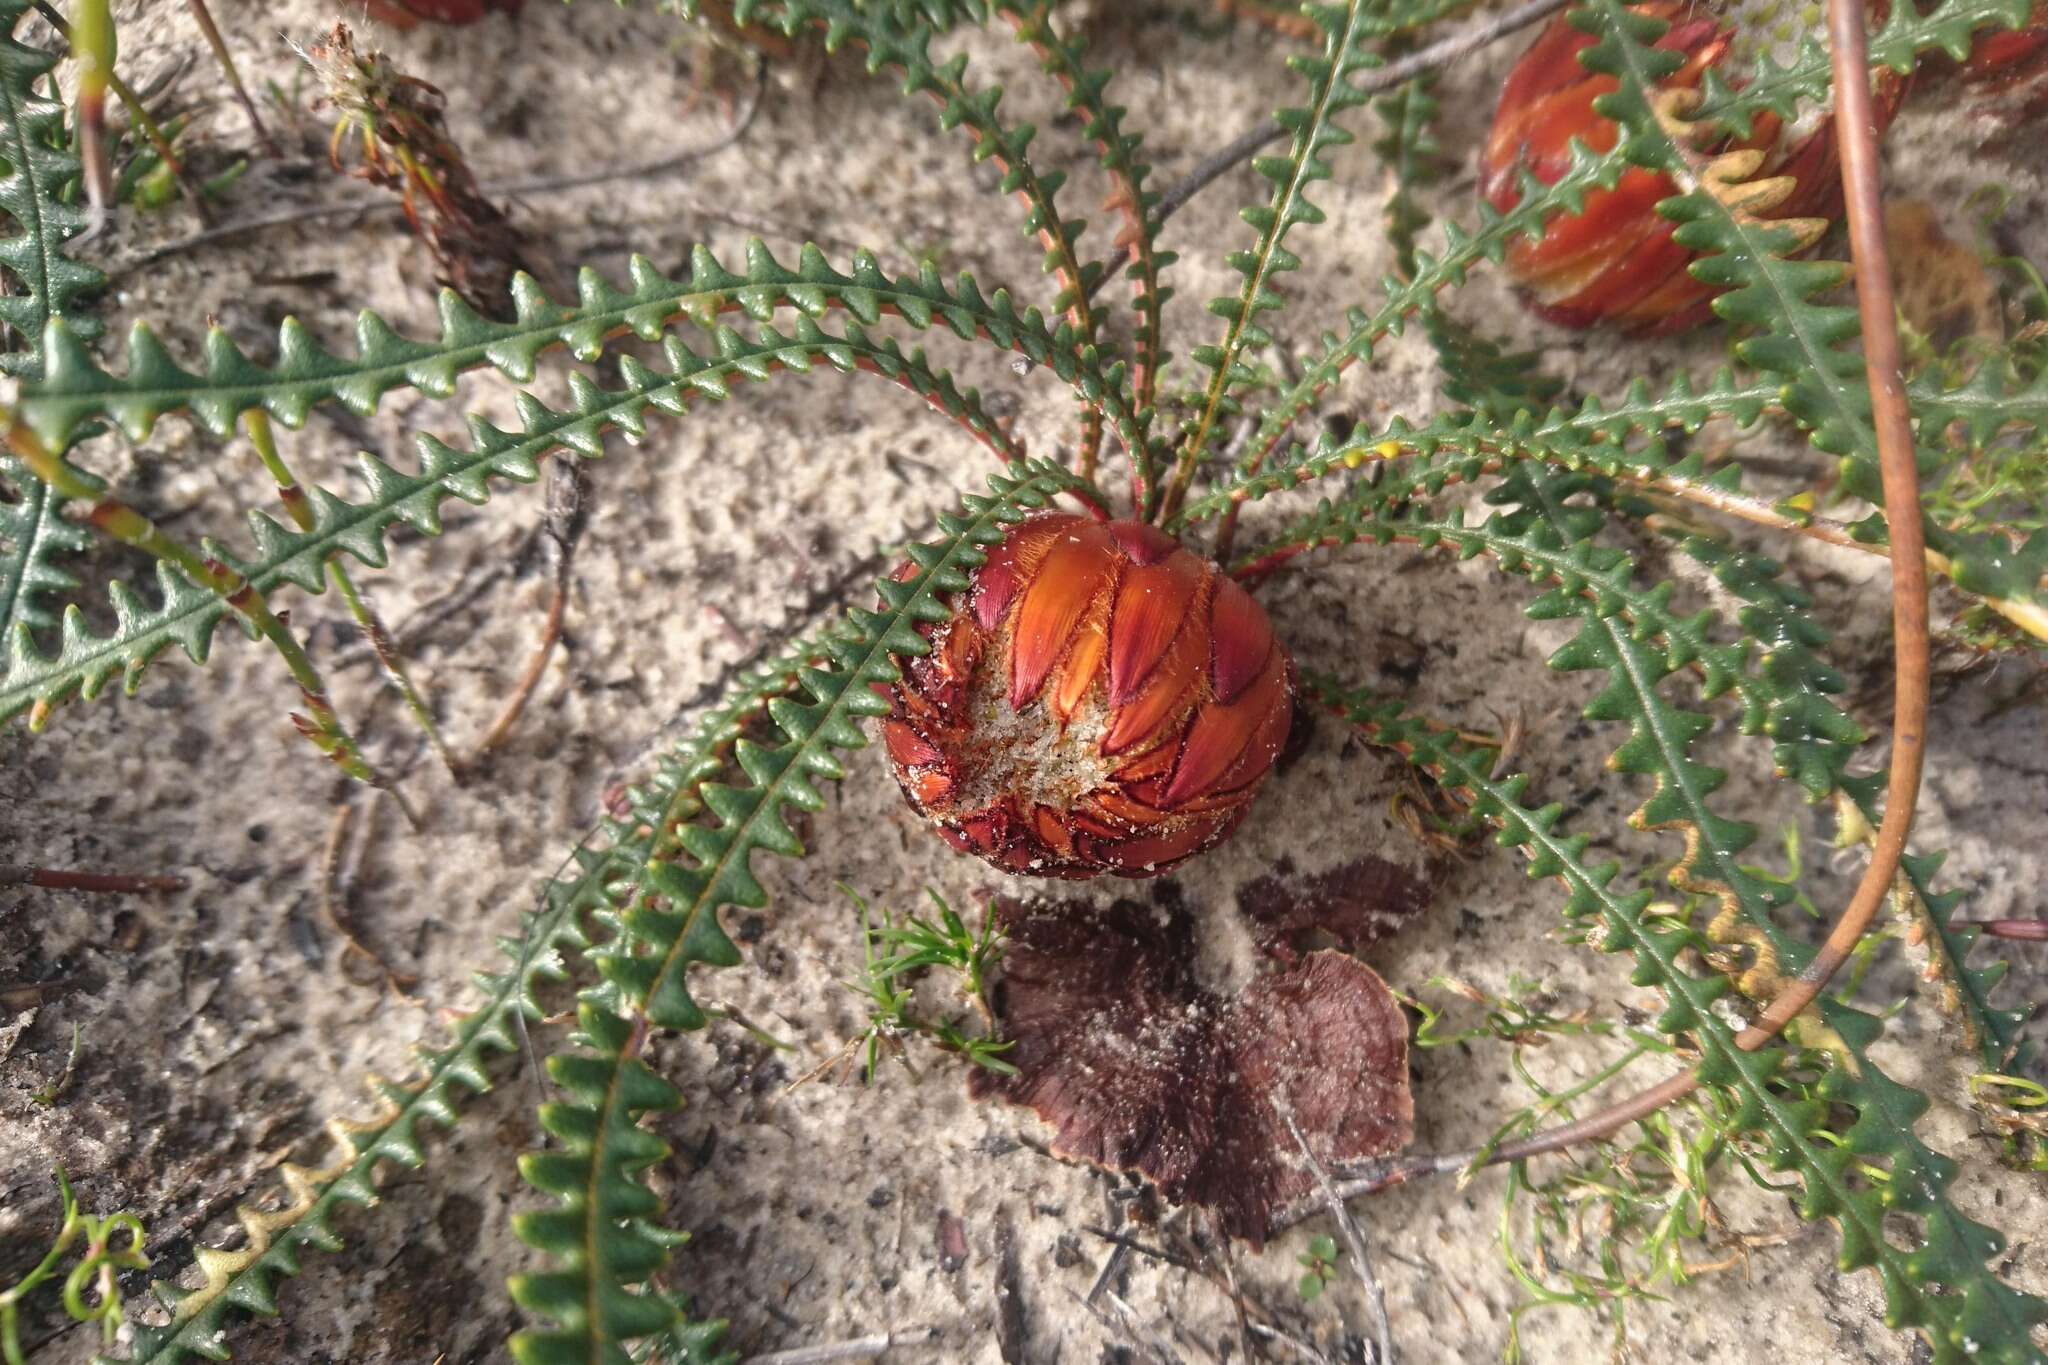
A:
[562,528]
[1183,1252]
[1226,534]
[550,636]
[226,59]
[1302,1350]
[2021,930]
[1121,1253]
[1856,134]
[111,883]
[341,862]
[2028,616]
[1124,1242]
[1245,146]
[644,170]
[408,638]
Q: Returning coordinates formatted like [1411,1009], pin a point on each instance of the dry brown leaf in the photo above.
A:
[1944,291]
[1139,1066]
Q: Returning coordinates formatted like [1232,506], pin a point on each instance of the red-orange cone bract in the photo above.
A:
[1102,699]
[407,13]
[2007,73]
[1616,262]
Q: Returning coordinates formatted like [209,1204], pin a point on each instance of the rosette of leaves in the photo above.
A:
[1570,486]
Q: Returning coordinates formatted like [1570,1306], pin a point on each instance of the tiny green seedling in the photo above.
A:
[1320,1263]
[1618,1221]
[1519,1016]
[893,954]
[2018,1109]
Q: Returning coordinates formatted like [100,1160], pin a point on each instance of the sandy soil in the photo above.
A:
[221,1026]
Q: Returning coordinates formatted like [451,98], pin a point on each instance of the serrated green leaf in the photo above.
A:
[38,165]
[186,616]
[600,1236]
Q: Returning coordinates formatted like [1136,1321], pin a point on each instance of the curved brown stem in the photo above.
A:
[1856,133]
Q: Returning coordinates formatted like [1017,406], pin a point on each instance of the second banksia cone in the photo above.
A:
[1617,261]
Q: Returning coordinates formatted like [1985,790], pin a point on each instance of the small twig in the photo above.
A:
[1226,535]
[644,170]
[92,51]
[860,1348]
[393,664]
[1112,1267]
[227,65]
[330,860]
[1394,73]
[2025,930]
[1264,1332]
[338,873]
[1354,1240]
[1123,1241]
[1125,1322]
[1244,1325]
[1012,1327]
[351,869]
[1746,1242]
[551,634]
[1253,1316]
[112,883]
[561,529]
[843,1057]
[2028,616]
[304,213]
[412,634]
[1513,730]
[504,189]
[1352,1182]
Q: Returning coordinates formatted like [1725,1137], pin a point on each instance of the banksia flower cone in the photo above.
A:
[1101,700]
[1616,262]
